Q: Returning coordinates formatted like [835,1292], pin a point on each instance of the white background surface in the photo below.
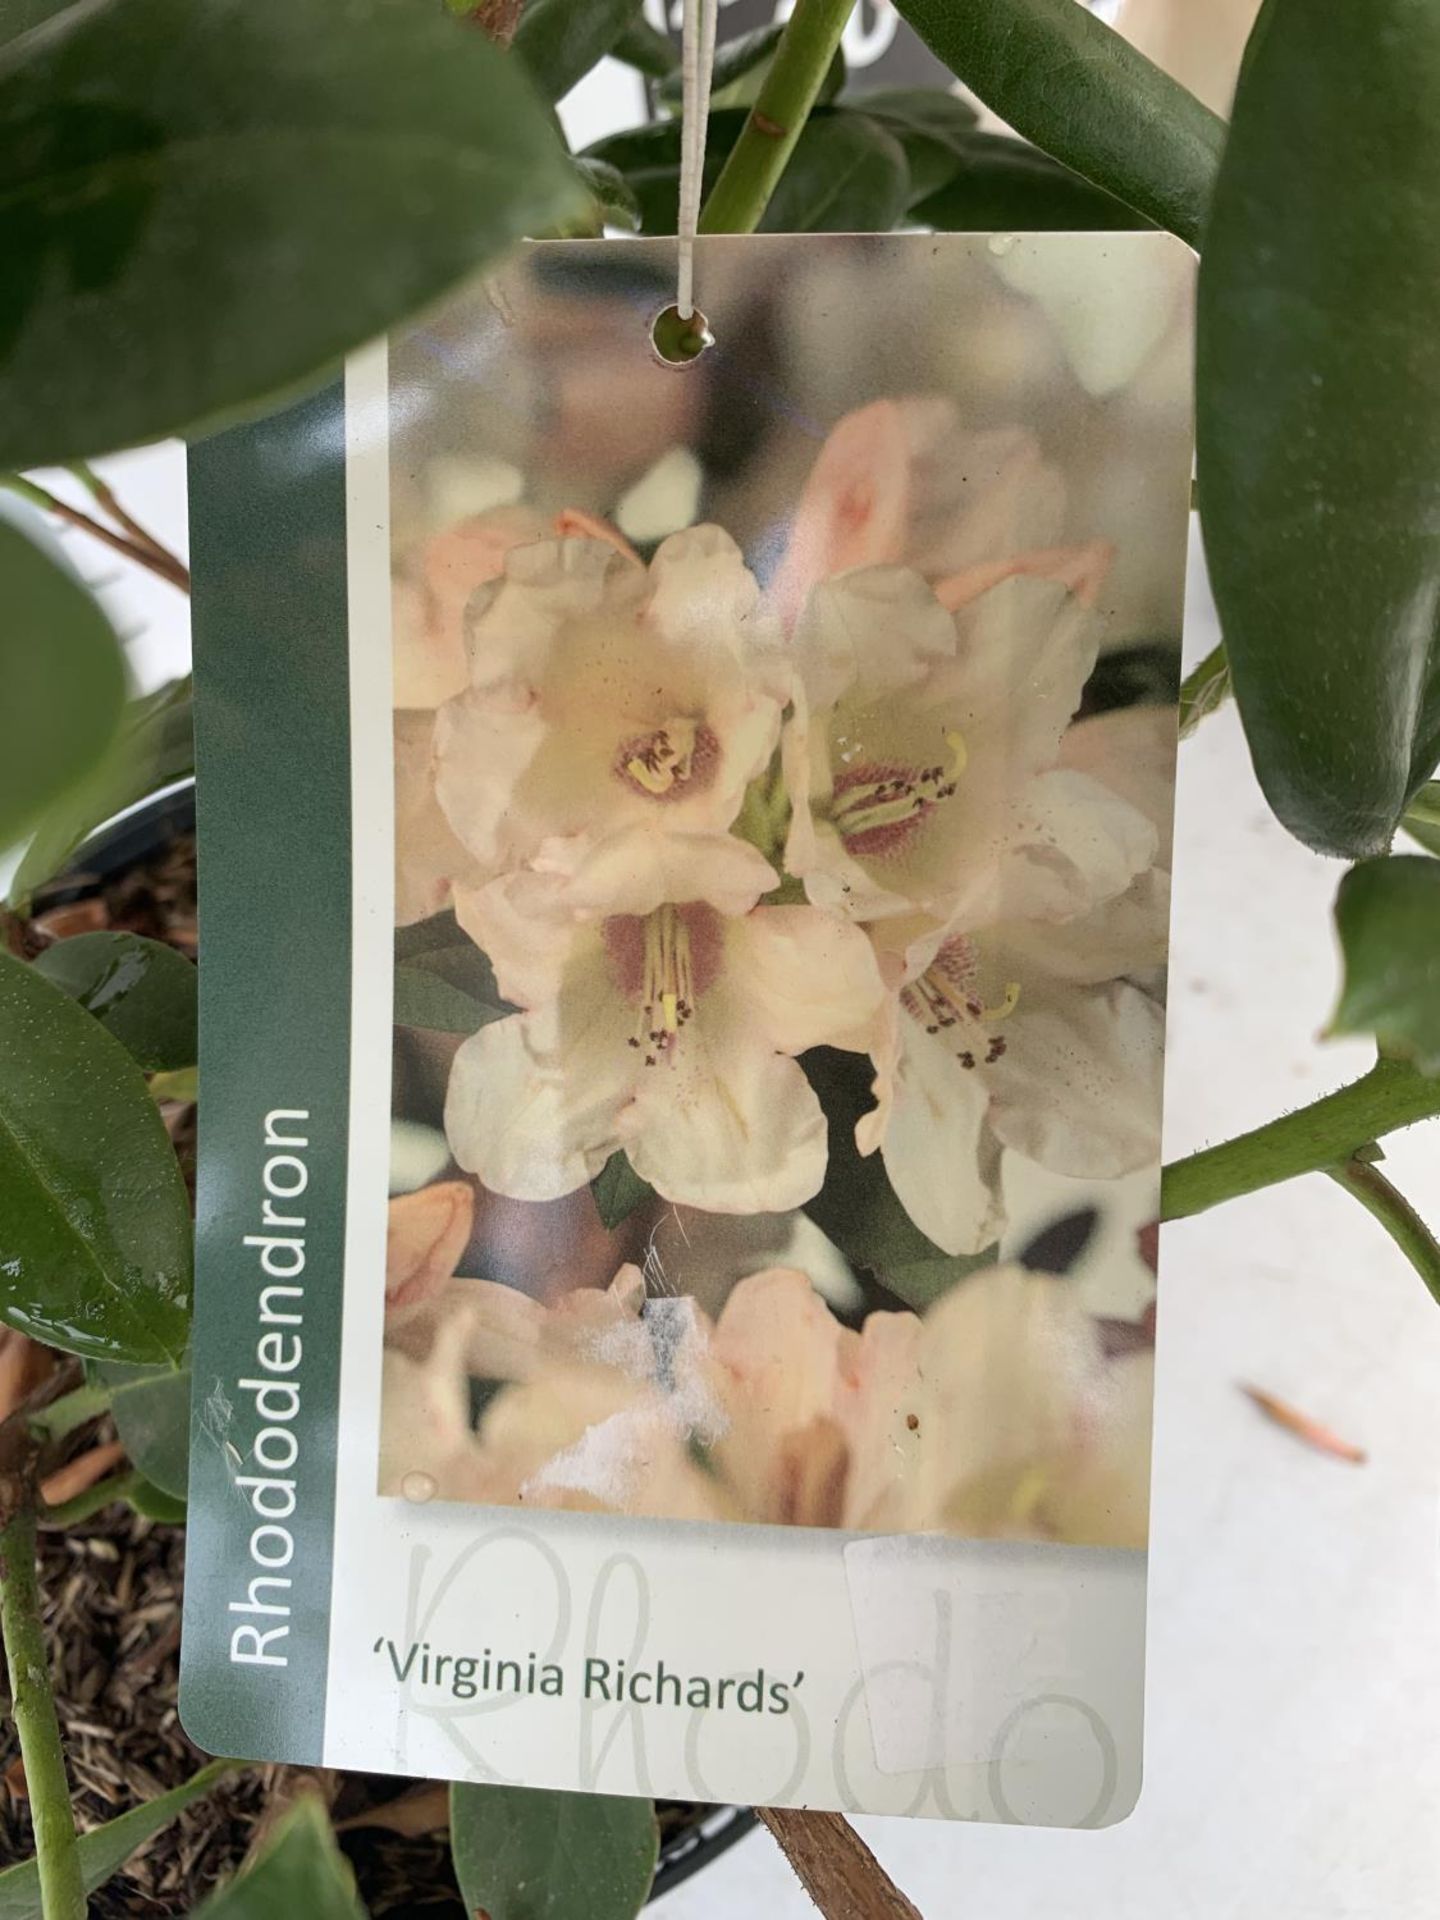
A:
[1293,1763]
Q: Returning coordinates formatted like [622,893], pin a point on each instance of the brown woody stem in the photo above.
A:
[835,1867]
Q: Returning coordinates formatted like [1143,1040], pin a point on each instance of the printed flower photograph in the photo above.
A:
[784,761]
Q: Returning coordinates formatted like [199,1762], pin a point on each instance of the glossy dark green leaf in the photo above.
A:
[448,989]
[95,1237]
[647,49]
[154,745]
[62,680]
[151,1406]
[561,40]
[1387,914]
[857,1207]
[524,1854]
[846,175]
[616,204]
[649,160]
[740,68]
[1001,183]
[1319,412]
[300,1875]
[1062,78]
[928,123]
[618,1190]
[18,16]
[1422,817]
[153,1503]
[203,205]
[139,990]
[104,1850]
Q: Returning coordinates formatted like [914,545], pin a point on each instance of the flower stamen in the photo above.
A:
[946,995]
[677,756]
[878,806]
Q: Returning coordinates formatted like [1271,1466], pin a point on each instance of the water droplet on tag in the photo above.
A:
[1002,243]
[419,1487]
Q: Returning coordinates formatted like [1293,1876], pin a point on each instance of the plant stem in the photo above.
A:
[1314,1140]
[1394,1212]
[63,1416]
[62,1887]
[835,1867]
[1205,690]
[791,88]
[67,1512]
[105,498]
[144,551]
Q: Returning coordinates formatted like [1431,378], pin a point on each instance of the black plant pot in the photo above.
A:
[138,835]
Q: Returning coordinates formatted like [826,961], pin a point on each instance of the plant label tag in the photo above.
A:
[684,889]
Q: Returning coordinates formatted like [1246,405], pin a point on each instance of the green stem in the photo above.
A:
[1314,1140]
[1394,1212]
[63,1416]
[791,87]
[91,1500]
[62,1886]
[1205,689]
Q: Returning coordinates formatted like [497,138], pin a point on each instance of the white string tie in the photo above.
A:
[697,68]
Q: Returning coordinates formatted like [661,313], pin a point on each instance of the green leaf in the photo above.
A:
[104,1850]
[151,1406]
[561,40]
[62,681]
[618,1190]
[142,992]
[449,989]
[95,1238]
[997,182]
[300,1875]
[1387,914]
[1204,690]
[208,205]
[648,159]
[647,49]
[740,68]
[1319,413]
[18,16]
[152,1503]
[524,1854]
[928,124]
[1422,817]
[846,175]
[1063,79]
[617,205]
[155,744]
[857,1207]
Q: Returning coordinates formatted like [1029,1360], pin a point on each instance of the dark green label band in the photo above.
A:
[272,722]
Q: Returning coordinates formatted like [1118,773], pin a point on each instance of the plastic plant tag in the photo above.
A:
[684,889]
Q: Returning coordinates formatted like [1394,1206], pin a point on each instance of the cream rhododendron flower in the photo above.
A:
[1027,1025]
[428,857]
[916,732]
[605,695]
[431,593]
[663,1006]
[430,600]
[899,482]
[603,1420]
[995,1414]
